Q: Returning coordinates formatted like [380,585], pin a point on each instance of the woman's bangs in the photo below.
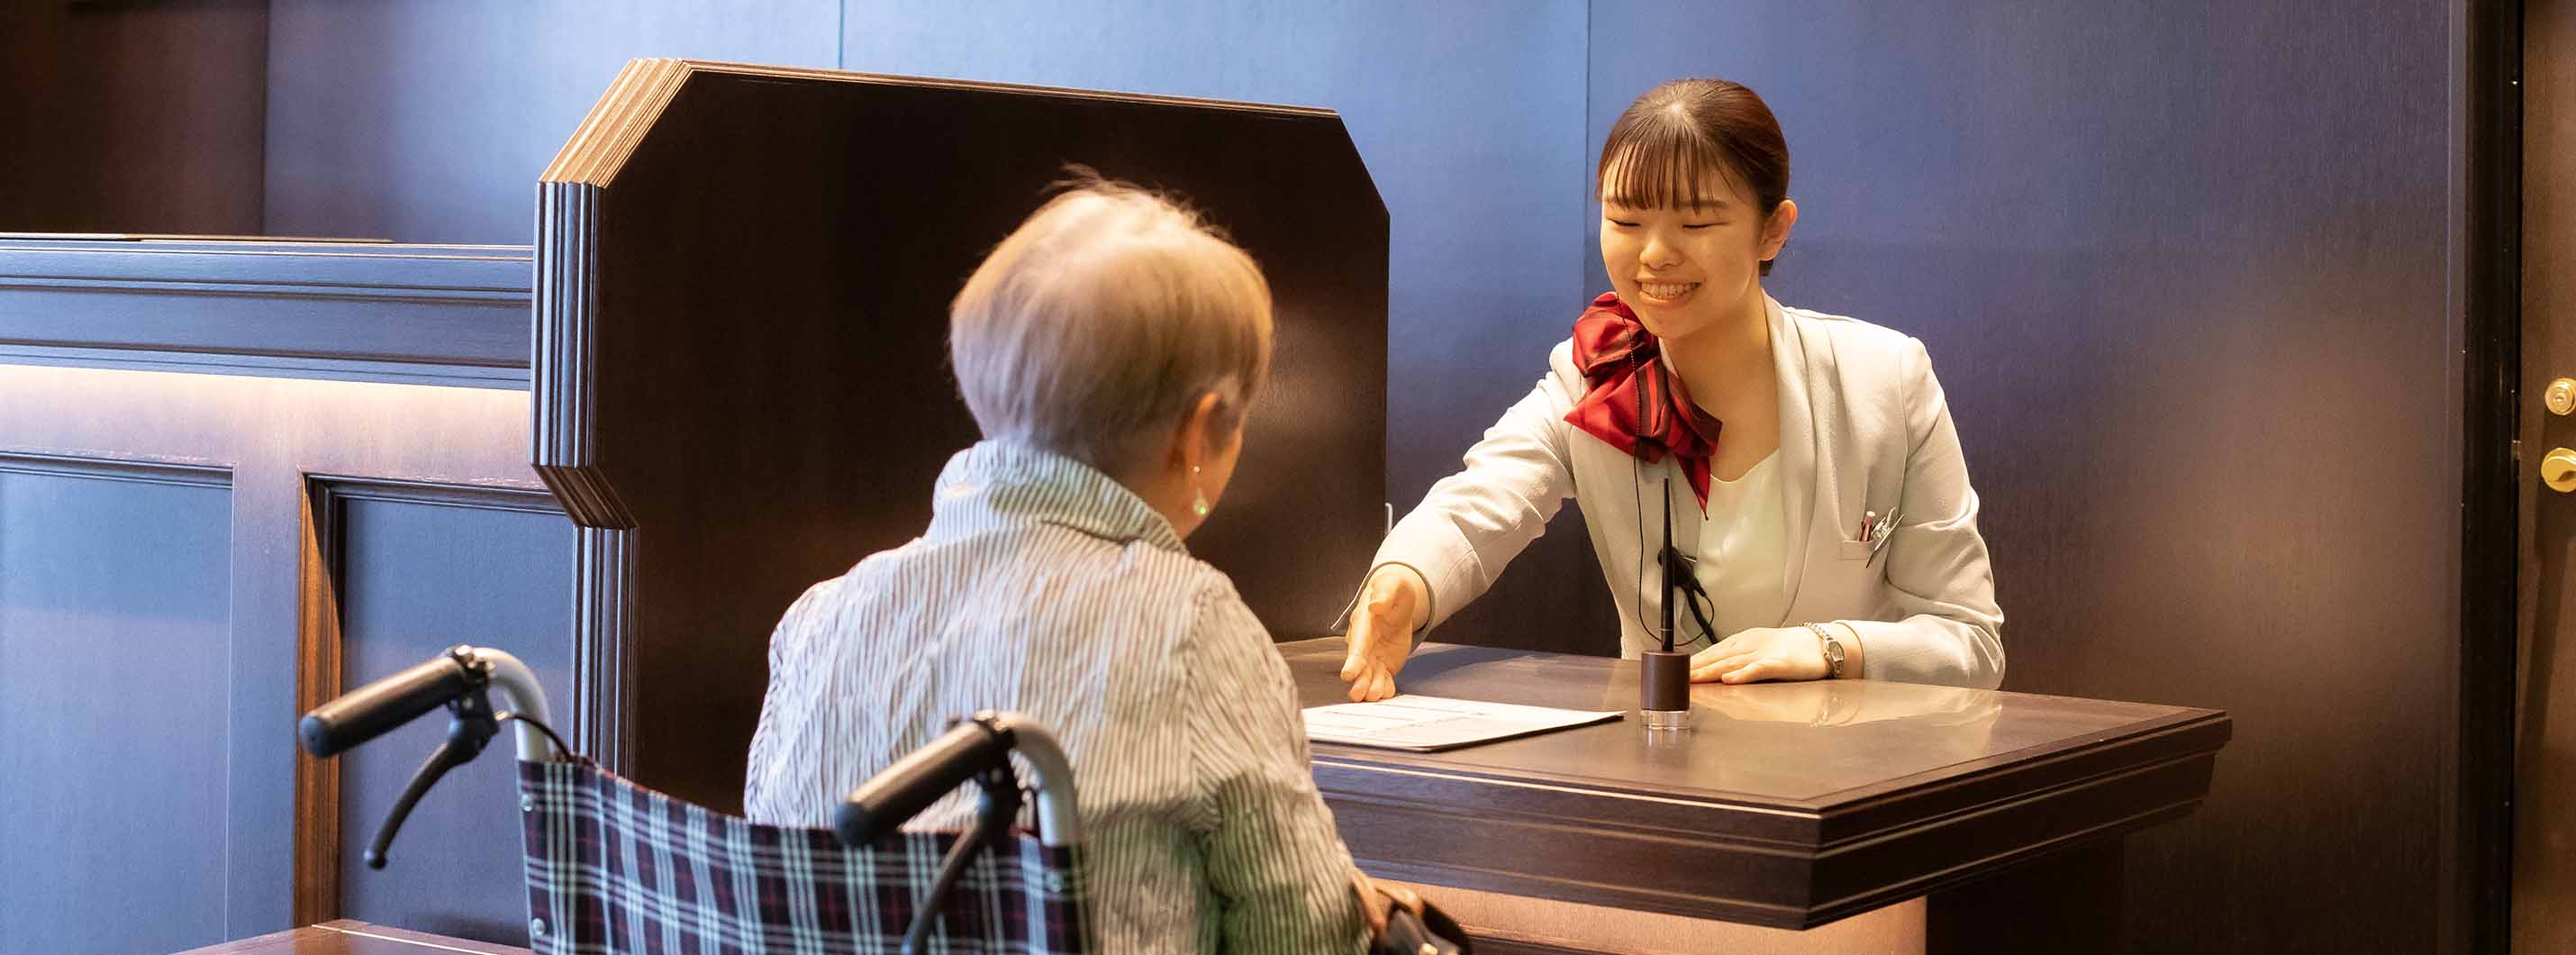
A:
[1661,166]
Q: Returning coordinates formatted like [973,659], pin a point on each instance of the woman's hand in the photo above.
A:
[1381,637]
[1762,653]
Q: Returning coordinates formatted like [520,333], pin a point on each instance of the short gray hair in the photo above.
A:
[1100,321]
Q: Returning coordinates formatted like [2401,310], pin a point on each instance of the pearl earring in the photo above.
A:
[1198,498]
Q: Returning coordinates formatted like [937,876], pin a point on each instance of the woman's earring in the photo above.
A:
[1198,498]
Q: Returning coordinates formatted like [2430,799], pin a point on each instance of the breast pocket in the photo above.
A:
[1852,550]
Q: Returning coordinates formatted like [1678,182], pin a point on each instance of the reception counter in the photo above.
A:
[1785,806]
[238,478]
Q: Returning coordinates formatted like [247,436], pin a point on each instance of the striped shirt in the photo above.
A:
[1043,586]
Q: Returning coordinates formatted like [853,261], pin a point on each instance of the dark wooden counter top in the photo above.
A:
[1788,804]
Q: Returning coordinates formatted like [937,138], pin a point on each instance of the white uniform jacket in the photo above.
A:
[1863,427]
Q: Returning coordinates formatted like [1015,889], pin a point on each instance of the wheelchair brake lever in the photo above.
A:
[471,726]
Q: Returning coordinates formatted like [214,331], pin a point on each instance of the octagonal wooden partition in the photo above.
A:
[740,379]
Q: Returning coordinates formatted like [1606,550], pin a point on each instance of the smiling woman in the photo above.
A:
[1837,531]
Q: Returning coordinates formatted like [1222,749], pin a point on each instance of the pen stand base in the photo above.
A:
[1663,689]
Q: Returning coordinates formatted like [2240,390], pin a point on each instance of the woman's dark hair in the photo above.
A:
[1668,141]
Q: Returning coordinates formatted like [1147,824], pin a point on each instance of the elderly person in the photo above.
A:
[1109,349]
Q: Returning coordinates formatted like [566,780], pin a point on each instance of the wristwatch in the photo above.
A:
[1833,650]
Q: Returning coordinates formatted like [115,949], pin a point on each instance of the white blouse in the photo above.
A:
[1743,555]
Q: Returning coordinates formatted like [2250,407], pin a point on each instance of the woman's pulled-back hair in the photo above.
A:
[1667,144]
[1098,323]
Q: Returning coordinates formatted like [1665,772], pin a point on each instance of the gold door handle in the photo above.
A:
[2558,470]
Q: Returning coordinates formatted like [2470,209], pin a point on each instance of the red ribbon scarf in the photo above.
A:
[1636,404]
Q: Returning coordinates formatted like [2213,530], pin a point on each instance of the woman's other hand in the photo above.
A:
[1381,636]
[1761,653]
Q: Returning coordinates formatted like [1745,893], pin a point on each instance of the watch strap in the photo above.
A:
[1831,648]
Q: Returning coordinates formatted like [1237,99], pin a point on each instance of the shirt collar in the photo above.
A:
[1002,481]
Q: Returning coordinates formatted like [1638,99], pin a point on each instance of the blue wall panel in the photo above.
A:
[114,634]
[417,576]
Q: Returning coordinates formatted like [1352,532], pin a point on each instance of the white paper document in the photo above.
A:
[1427,723]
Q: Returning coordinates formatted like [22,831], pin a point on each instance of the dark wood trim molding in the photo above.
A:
[603,647]
[334,489]
[118,469]
[608,135]
[272,366]
[412,314]
[317,678]
[2487,263]
[565,411]
[563,432]
[565,385]
[318,834]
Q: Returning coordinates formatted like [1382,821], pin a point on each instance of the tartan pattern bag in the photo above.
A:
[614,868]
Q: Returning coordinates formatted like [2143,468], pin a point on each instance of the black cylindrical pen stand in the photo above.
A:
[1663,689]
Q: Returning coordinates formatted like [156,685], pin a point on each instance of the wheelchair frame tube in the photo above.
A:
[1054,783]
[515,680]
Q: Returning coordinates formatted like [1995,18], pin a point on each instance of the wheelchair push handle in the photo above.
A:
[977,749]
[463,671]
[380,707]
[881,804]
[460,680]
[977,744]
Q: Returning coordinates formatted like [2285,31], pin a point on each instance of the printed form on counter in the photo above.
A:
[1426,724]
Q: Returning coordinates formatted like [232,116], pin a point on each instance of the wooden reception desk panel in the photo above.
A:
[236,547]
[1787,805]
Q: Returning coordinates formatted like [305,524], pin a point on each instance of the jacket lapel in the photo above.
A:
[1801,440]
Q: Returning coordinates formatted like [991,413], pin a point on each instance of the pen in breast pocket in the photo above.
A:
[1878,535]
[1868,521]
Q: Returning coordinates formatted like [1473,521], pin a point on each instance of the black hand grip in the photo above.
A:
[1430,933]
[373,710]
[881,804]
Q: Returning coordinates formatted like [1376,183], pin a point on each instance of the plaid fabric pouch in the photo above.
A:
[614,868]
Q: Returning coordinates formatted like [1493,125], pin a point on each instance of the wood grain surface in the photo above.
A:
[1786,805]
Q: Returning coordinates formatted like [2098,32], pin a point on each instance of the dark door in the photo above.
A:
[2544,852]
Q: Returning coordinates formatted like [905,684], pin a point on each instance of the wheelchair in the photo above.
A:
[615,868]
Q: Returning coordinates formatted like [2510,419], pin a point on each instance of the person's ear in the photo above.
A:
[1775,230]
[1196,442]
